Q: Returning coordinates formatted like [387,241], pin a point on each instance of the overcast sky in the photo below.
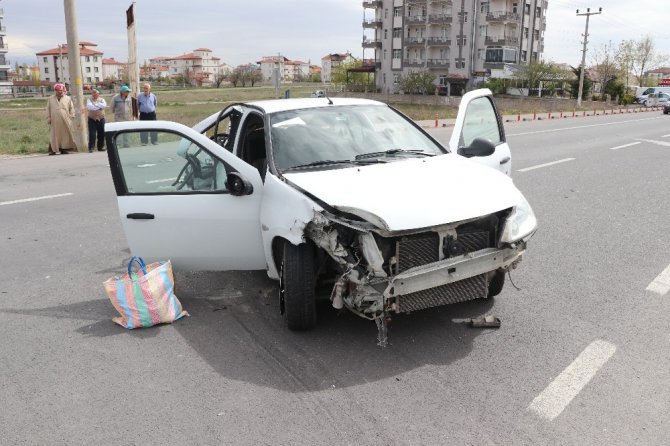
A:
[243,31]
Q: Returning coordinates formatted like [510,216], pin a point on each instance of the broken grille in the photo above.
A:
[417,250]
[451,293]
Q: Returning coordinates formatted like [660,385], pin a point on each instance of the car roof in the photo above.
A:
[277,105]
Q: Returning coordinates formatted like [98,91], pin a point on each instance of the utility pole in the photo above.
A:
[588,14]
[74,65]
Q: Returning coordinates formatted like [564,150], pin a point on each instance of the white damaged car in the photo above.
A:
[346,193]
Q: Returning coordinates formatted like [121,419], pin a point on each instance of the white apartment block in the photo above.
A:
[114,70]
[290,69]
[199,65]
[54,65]
[5,83]
[459,41]
[331,61]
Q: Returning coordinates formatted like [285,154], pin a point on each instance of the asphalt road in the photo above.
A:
[582,356]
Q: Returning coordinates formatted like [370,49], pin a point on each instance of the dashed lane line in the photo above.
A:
[555,398]
[653,141]
[539,166]
[625,145]
[26,200]
[661,284]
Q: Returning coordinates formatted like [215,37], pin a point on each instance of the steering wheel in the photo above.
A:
[191,170]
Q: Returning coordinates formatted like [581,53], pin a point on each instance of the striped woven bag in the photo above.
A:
[146,297]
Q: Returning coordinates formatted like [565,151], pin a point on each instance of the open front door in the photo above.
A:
[174,201]
[478,118]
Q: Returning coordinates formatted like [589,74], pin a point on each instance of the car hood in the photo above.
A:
[414,193]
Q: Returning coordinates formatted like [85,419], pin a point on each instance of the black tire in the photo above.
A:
[296,286]
[496,284]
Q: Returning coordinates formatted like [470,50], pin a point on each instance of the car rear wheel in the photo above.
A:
[297,285]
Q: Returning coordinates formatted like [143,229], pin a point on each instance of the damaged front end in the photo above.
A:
[378,272]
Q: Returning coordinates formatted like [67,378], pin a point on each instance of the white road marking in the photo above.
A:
[580,127]
[545,165]
[625,145]
[665,136]
[653,141]
[164,180]
[145,165]
[555,398]
[26,200]
[661,283]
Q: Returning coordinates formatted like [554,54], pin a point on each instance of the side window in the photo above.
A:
[220,134]
[480,122]
[174,165]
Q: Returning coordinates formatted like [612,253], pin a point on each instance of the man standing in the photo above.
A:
[122,107]
[96,120]
[60,113]
[147,103]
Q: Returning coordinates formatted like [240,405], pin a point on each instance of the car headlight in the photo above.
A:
[521,223]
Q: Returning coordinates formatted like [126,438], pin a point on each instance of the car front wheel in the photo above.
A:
[496,284]
[297,286]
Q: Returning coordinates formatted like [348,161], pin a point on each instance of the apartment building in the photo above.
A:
[200,65]
[459,41]
[5,83]
[332,61]
[113,70]
[290,70]
[54,65]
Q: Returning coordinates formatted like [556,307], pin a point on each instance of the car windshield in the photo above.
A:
[313,137]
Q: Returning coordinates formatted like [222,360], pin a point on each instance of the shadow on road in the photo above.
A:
[235,326]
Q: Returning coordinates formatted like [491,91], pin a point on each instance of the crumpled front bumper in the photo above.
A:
[451,280]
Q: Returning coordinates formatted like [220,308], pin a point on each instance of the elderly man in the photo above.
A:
[147,103]
[122,107]
[96,120]
[60,112]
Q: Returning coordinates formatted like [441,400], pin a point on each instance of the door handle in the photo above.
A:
[141,216]
[505,160]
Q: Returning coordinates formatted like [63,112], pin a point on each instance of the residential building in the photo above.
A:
[291,70]
[658,74]
[28,72]
[5,83]
[54,65]
[331,61]
[113,70]
[460,41]
[200,65]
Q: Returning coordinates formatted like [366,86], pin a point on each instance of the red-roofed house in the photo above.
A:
[200,65]
[54,65]
[114,70]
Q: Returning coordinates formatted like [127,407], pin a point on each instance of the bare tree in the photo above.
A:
[604,59]
[642,55]
[219,78]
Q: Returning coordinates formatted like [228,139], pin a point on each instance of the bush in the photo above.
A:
[627,99]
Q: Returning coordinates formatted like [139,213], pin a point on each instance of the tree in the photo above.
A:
[255,76]
[607,68]
[641,55]
[340,75]
[219,78]
[535,72]
[417,82]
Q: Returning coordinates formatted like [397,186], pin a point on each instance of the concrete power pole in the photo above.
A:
[588,14]
[74,65]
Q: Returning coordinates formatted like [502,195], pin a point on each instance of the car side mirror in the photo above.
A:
[237,185]
[478,147]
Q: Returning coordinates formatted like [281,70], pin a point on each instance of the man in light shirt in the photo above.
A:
[96,120]
[147,103]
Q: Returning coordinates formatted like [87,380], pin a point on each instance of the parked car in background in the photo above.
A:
[656,99]
[666,108]
[318,94]
[347,194]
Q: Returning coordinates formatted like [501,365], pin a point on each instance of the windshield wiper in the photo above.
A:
[330,162]
[393,152]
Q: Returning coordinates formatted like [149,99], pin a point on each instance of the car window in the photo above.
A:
[174,164]
[339,133]
[480,122]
